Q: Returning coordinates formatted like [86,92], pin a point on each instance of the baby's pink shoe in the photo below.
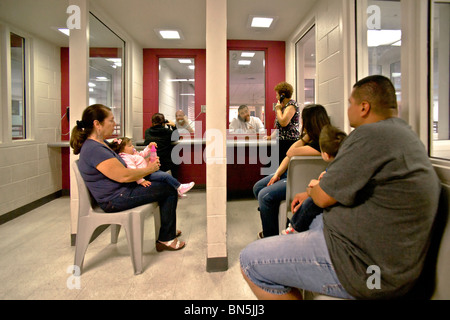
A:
[182,189]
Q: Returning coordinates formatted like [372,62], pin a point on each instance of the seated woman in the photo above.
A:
[271,190]
[109,180]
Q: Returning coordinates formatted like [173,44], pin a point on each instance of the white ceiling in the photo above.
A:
[139,19]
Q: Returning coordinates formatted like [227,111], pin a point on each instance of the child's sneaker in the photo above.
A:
[289,230]
[182,189]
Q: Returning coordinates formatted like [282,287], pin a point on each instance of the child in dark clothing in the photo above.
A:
[330,140]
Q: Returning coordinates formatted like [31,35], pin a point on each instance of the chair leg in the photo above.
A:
[84,235]
[115,229]
[135,235]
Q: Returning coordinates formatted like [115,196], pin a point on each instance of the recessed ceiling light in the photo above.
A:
[65,31]
[168,34]
[187,61]
[244,62]
[376,38]
[192,67]
[261,22]
[247,54]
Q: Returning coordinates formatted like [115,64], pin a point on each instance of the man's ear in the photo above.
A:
[365,109]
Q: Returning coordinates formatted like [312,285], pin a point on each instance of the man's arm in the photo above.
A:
[319,196]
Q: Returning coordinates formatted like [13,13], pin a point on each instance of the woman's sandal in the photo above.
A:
[173,245]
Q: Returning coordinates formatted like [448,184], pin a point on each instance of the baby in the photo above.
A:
[330,141]
[134,159]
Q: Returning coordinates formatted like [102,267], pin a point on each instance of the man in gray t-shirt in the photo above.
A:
[381,194]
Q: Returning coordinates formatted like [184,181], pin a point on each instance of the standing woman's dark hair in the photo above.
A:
[84,128]
[314,118]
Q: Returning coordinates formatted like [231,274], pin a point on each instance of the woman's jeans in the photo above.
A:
[300,260]
[269,199]
[137,195]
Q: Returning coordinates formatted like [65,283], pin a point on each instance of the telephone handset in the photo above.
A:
[282,97]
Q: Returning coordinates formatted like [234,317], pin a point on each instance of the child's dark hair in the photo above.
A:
[118,144]
[331,139]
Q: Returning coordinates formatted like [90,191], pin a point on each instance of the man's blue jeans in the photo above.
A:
[269,199]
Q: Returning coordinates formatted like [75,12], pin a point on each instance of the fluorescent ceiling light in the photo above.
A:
[244,62]
[169,34]
[247,54]
[187,94]
[261,22]
[91,85]
[185,61]
[376,38]
[192,67]
[65,31]
[181,80]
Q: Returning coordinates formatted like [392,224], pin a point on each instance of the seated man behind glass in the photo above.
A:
[245,123]
[182,123]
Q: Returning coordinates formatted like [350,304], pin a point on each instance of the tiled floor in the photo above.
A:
[35,255]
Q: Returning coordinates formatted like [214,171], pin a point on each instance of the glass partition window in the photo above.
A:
[177,92]
[247,76]
[440,57]
[379,42]
[18,110]
[306,67]
[106,70]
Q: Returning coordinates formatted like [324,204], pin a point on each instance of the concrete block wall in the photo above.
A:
[29,170]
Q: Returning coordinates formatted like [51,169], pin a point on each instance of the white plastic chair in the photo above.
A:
[91,216]
[301,170]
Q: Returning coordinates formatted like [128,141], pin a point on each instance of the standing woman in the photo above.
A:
[287,120]
[111,182]
[271,190]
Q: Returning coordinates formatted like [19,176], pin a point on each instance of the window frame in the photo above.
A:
[6,138]
[430,106]
[308,29]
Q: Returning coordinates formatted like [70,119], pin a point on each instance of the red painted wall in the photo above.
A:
[65,152]
[151,81]
[275,73]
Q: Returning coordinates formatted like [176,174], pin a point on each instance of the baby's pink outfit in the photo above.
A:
[136,160]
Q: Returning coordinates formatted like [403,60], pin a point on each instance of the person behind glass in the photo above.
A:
[182,123]
[271,190]
[163,132]
[245,123]
[287,118]
[110,181]
[304,211]
[134,159]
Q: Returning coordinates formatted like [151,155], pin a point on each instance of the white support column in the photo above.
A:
[215,151]
[78,90]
